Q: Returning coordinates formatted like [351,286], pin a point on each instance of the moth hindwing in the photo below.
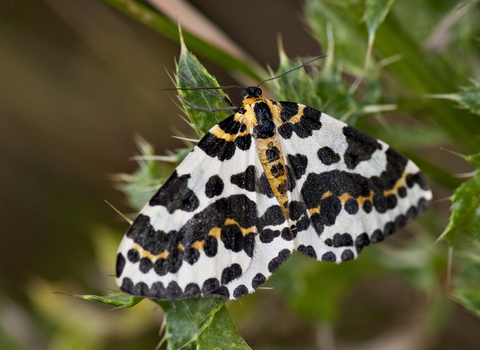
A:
[272,178]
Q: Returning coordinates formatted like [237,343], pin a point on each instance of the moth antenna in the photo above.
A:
[207,109]
[291,70]
[206,89]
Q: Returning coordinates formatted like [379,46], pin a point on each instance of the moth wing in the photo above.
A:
[198,235]
[347,189]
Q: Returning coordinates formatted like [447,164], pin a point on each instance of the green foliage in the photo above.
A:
[191,74]
[145,181]
[374,15]
[302,280]
[468,98]
[325,91]
[465,218]
[120,300]
[200,323]
[468,285]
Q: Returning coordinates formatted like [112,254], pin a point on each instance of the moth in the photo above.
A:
[273,178]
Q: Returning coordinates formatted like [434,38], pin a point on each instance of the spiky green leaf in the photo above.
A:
[192,74]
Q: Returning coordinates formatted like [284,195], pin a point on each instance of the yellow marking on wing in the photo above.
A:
[180,246]
[198,245]
[344,197]
[400,182]
[315,210]
[219,133]
[245,231]
[361,199]
[215,232]
[293,120]
[146,254]
[326,195]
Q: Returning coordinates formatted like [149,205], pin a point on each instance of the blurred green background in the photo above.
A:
[78,80]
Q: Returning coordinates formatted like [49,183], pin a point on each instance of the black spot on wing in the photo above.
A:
[298,213]
[214,186]
[278,260]
[133,256]
[361,241]
[299,164]
[330,207]
[396,164]
[289,234]
[210,247]
[360,147]
[141,289]
[210,286]
[335,181]
[347,254]
[120,265]
[268,235]
[328,156]
[351,206]
[240,291]
[417,178]
[232,238]
[245,179]
[143,233]
[158,291]
[230,273]
[309,122]
[214,146]
[377,236]
[191,255]
[307,250]
[258,280]
[291,179]
[173,290]
[127,285]
[156,242]
[231,126]
[402,191]
[236,207]
[367,206]
[423,205]
[191,290]
[272,216]
[145,265]
[263,186]
[342,240]
[289,110]
[175,195]
[329,257]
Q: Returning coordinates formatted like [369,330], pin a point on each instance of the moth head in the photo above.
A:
[252,92]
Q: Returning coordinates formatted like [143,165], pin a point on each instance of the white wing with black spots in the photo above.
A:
[213,229]
[351,190]
[272,178]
